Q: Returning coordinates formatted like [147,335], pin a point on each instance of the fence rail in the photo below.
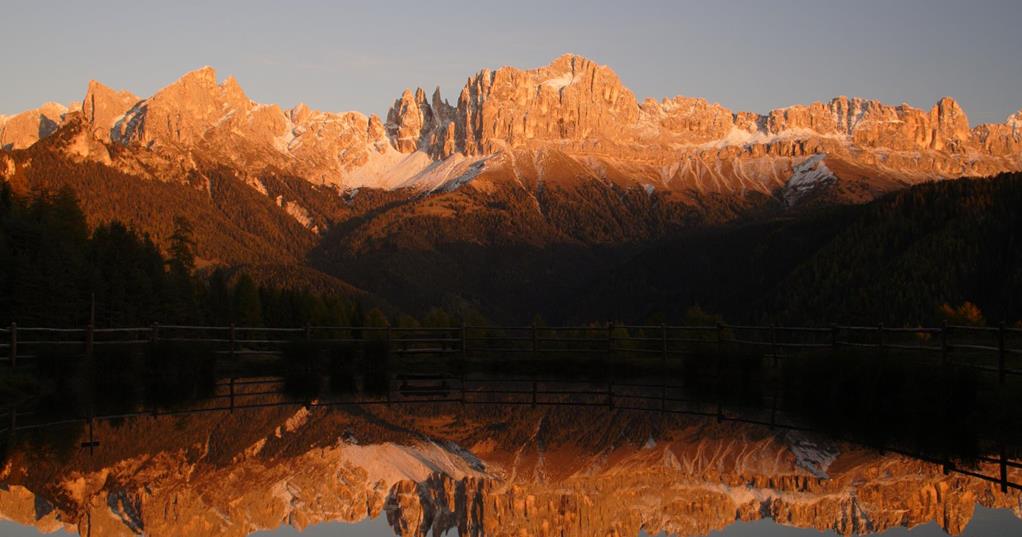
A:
[239,394]
[982,347]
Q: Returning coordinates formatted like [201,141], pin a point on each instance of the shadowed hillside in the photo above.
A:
[897,260]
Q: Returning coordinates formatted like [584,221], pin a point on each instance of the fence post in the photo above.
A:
[663,336]
[88,340]
[773,405]
[880,336]
[773,341]
[944,344]
[154,332]
[1001,371]
[535,346]
[833,336]
[464,341]
[610,339]
[387,337]
[14,344]
[232,339]
[461,383]
[308,332]
[1004,467]
[719,380]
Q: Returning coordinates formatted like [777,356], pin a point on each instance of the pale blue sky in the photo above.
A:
[985,523]
[747,55]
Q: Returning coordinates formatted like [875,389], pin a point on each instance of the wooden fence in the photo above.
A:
[996,349]
[240,394]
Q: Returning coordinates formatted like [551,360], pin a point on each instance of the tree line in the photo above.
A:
[942,251]
[54,271]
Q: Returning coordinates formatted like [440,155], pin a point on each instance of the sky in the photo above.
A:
[339,56]
[985,522]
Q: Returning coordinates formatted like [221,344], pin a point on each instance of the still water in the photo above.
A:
[264,465]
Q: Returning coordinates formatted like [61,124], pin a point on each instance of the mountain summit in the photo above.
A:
[530,179]
[573,106]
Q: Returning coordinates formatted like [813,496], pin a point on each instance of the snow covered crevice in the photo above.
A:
[559,82]
[812,457]
[467,175]
[808,176]
[741,137]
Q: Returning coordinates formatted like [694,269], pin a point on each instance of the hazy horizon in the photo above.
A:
[745,55]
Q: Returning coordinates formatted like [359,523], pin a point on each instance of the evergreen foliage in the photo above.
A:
[53,272]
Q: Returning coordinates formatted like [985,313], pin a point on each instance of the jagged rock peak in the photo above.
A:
[414,123]
[437,100]
[573,105]
[205,75]
[950,125]
[183,111]
[572,62]
[103,106]
[408,118]
[300,113]
[201,85]
[1015,120]
[22,130]
[572,98]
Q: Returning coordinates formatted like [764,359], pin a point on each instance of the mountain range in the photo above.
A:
[497,470]
[531,178]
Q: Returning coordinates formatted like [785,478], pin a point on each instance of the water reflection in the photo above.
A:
[985,522]
[478,467]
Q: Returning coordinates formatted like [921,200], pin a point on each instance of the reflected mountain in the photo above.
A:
[475,469]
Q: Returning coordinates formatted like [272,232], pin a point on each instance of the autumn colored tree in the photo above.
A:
[967,314]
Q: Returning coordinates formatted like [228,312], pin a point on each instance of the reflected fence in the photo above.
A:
[411,390]
[993,349]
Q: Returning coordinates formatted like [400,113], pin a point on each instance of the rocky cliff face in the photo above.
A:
[573,106]
[104,107]
[580,108]
[198,122]
[22,130]
[577,472]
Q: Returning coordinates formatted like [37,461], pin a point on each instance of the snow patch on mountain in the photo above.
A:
[560,82]
[812,457]
[129,123]
[390,463]
[806,177]
[466,170]
[126,511]
[389,169]
[283,142]
[1015,120]
[741,137]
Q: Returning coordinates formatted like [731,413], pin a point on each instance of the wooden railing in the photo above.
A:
[241,394]
[996,349]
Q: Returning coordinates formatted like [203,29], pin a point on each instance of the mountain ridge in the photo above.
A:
[489,202]
[573,105]
[542,471]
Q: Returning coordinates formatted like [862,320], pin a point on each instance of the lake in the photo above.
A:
[494,456]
